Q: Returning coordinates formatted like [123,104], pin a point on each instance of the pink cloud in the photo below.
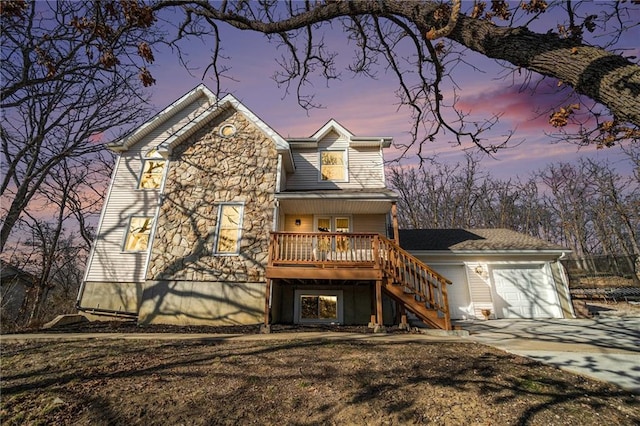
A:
[525,110]
[97,137]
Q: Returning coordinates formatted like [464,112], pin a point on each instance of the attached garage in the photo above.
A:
[510,274]
[460,306]
[524,291]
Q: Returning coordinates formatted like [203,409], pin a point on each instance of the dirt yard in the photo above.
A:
[206,382]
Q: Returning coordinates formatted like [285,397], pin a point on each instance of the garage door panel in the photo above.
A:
[524,292]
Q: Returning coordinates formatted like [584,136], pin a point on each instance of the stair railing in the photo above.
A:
[405,269]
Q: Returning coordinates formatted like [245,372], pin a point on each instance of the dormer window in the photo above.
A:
[333,166]
[152,171]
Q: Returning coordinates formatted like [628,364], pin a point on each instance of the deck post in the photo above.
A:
[394,222]
[372,321]
[379,328]
[402,312]
[266,327]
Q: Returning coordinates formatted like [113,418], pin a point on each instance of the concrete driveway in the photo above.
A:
[606,349]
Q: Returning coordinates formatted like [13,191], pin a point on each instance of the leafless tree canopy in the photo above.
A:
[587,206]
[66,80]
[422,42]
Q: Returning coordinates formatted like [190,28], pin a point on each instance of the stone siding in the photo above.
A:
[206,171]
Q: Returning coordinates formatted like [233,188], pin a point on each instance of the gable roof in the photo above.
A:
[215,108]
[130,139]
[333,126]
[474,240]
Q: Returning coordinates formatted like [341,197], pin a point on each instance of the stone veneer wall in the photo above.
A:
[201,175]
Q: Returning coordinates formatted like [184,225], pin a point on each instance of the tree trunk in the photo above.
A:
[605,77]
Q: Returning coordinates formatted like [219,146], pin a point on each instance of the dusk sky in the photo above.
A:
[368,107]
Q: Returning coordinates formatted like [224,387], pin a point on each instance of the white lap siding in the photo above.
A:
[108,261]
[375,223]
[365,166]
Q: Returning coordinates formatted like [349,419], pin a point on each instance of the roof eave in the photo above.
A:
[385,197]
[555,252]
[384,141]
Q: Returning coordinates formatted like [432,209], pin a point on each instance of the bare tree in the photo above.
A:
[54,238]
[586,206]
[441,196]
[617,207]
[435,34]
[569,190]
[68,76]
[427,195]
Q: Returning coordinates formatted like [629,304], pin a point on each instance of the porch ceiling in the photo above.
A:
[336,202]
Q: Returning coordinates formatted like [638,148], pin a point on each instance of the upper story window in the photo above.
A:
[229,229]
[152,171]
[333,166]
[138,234]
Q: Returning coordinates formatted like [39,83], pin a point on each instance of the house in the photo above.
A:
[16,287]
[212,217]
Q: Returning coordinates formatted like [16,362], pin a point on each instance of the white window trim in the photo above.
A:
[346,165]
[123,247]
[217,234]
[302,292]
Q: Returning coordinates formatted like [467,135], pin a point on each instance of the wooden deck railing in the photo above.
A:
[326,248]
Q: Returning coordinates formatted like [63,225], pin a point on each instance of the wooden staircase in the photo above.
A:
[414,285]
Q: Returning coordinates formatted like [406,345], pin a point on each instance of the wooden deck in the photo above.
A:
[361,256]
[324,256]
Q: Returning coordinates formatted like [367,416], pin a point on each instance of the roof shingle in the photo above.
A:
[498,239]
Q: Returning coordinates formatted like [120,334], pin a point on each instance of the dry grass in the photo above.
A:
[149,382]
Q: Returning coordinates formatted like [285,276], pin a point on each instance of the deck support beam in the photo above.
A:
[379,327]
[266,327]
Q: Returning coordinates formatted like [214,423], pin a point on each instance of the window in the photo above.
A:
[152,171]
[333,166]
[318,306]
[151,177]
[138,234]
[342,225]
[229,229]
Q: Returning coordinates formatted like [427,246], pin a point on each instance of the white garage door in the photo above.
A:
[458,291]
[524,292]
